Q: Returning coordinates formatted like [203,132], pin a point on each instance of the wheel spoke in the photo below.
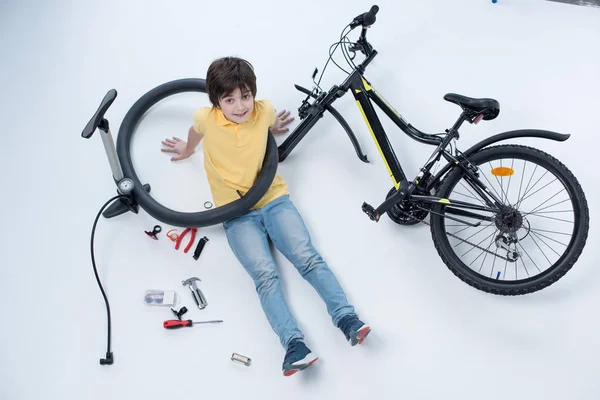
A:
[521,185]
[487,252]
[517,263]
[534,185]
[556,219]
[526,187]
[484,228]
[493,266]
[468,190]
[462,224]
[550,212]
[549,238]
[546,185]
[545,230]
[528,256]
[538,246]
[509,180]
[471,197]
[484,251]
[547,200]
[543,241]
[473,247]
[492,186]
[497,180]
[536,211]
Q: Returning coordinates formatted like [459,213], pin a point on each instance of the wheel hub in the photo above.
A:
[509,220]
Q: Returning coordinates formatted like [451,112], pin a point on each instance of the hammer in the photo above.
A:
[196,293]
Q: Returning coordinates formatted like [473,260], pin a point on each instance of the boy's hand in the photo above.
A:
[176,145]
[281,121]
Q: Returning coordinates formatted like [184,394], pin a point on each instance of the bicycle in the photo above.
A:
[482,173]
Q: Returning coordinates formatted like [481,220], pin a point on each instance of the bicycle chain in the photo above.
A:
[453,235]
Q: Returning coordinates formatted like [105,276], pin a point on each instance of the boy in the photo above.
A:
[235,131]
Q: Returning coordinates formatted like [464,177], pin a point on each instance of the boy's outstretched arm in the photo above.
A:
[182,148]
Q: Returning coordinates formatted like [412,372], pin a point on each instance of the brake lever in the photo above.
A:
[356,47]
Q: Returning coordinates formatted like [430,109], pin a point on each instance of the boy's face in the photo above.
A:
[237,106]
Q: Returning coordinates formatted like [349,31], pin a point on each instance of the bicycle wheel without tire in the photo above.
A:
[533,242]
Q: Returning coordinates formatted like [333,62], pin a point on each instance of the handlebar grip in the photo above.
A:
[369,16]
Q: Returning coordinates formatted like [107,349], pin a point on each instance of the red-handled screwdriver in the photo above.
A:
[176,324]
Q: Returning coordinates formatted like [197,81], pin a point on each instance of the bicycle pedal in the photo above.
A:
[370,211]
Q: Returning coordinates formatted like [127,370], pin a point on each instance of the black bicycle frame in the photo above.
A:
[365,95]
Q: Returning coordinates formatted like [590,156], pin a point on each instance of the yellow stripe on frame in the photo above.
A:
[396,184]
[366,85]
[380,97]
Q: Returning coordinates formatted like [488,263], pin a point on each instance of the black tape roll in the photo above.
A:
[167,215]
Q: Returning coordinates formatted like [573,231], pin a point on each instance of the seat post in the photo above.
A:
[463,117]
[454,131]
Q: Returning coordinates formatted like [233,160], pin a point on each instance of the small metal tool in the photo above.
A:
[179,313]
[196,293]
[154,232]
[241,359]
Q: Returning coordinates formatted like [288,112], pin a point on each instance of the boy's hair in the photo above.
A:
[226,74]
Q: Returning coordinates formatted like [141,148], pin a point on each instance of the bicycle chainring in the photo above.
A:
[406,214]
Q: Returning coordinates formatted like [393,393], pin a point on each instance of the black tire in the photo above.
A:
[535,283]
[167,215]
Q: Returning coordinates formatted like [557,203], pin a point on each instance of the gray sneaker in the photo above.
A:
[297,358]
[354,329]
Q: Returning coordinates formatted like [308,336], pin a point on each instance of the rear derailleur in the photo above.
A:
[509,244]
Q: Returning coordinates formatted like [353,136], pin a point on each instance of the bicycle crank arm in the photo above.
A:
[405,190]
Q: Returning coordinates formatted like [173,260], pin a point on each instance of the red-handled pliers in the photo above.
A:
[178,242]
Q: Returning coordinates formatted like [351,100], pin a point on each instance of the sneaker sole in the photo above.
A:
[299,367]
[361,335]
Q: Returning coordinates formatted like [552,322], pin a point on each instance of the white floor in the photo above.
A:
[433,336]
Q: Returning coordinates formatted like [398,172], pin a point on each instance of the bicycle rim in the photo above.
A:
[534,241]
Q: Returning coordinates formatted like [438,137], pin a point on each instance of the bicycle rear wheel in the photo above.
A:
[533,242]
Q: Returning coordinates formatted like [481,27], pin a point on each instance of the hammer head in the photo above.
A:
[191,281]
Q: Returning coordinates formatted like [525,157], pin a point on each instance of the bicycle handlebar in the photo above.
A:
[365,19]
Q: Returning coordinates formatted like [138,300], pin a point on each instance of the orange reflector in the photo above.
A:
[502,171]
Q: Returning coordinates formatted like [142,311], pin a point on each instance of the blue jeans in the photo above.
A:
[280,221]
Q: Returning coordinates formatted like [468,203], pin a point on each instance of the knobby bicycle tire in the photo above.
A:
[553,273]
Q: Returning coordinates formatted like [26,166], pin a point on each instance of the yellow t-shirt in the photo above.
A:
[234,153]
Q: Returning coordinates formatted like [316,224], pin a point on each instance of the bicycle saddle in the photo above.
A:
[490,108]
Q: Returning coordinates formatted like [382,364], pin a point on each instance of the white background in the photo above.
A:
[433,336]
